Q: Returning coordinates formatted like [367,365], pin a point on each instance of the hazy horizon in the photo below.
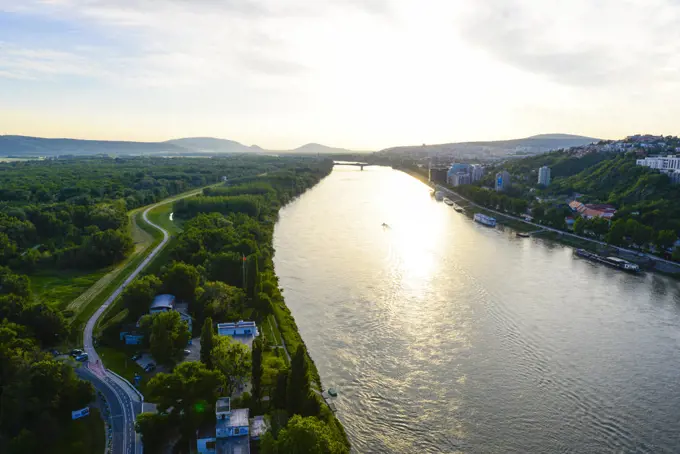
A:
[361,75]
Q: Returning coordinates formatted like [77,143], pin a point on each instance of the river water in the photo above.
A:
[442,335]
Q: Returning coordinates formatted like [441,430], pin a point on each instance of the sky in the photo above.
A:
[360,74]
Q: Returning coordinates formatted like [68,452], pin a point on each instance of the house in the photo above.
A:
[230,434]
[244,332]
[590,210]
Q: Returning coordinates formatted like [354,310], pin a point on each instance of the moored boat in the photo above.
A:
[449,202]
[614,262]
[484,220]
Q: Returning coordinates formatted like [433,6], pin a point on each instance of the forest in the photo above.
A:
[72,214]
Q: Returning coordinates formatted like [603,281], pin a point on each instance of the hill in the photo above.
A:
[212,145]
[607,172]
[36,146]
[496,149]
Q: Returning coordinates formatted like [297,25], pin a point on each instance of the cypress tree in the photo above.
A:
[207,342]
[257,369]
[281,390]
[298,383]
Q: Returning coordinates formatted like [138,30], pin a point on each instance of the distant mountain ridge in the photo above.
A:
[14,145]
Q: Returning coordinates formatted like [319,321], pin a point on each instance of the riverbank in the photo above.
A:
[646,261]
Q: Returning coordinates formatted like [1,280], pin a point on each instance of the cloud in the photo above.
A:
[580,42]
[31,63]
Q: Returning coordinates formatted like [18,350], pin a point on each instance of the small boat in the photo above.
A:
[332,392]
[385,225]
[449,202]
[484,220]
[459,208]
[523,235]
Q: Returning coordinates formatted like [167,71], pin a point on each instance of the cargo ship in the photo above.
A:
[614,262]
[484,220]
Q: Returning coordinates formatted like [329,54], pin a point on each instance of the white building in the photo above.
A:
[460,178]
[544,176]
[670,165]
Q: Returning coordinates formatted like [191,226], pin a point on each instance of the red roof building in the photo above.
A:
[593,210]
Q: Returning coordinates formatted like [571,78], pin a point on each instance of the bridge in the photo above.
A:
[355,164]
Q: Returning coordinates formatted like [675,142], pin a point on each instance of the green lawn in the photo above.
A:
[63,286]
[161,216]
[118,360]
[270,332]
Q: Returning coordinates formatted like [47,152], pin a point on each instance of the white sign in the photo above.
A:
[80,413]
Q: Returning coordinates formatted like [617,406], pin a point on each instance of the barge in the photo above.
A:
[614,262]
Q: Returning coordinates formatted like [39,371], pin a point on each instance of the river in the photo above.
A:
[443,336]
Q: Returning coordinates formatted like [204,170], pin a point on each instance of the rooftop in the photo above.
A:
[161,301]
[239,324]
[239,418]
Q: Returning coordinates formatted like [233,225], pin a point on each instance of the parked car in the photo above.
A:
[150,367]
[136,356]
[83,357]
[76,352]
[187,352]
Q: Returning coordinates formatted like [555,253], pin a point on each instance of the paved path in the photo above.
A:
[125,400]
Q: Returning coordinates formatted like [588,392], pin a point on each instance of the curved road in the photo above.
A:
[125,401]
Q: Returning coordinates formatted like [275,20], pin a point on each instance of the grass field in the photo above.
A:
[60,287]
[118,360]
[161,216]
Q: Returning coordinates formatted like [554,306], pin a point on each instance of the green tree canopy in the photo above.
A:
[188,393]
[137,296]
[181,280]
[169,336]
[233,360]
[304,436]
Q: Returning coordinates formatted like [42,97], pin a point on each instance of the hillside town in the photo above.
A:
[597,190]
